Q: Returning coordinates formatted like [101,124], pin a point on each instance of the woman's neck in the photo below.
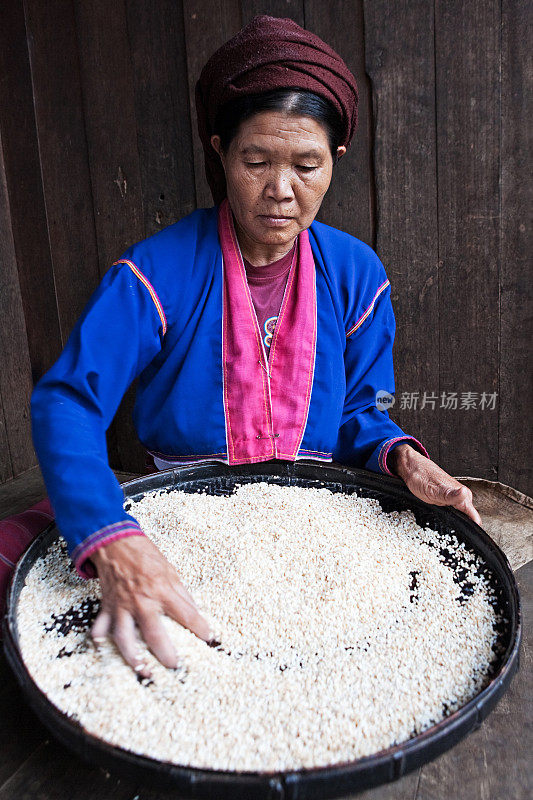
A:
[257,253]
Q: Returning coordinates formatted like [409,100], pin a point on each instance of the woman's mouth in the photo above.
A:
[274,221]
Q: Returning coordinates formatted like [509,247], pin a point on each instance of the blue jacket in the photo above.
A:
[157,315]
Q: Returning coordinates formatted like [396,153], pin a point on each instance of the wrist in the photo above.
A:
[105,554]
[94,561]
[108,551]
[401,459]
[104,551]
[92,555]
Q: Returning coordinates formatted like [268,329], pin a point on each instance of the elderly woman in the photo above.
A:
[257,332]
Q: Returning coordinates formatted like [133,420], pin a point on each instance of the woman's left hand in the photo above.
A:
[427,481]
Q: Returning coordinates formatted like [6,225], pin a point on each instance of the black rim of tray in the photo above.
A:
[316,782]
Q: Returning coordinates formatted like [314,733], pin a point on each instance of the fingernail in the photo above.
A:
[99,639]
[140,667]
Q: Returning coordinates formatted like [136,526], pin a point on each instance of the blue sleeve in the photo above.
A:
[367,434]
[118,334]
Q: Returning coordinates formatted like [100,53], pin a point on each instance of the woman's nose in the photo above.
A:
[279,187]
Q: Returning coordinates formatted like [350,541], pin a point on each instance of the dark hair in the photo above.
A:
[291,101]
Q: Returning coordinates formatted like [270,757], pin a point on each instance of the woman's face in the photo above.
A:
[278,168]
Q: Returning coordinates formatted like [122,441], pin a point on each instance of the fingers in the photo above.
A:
[437,487]
[473,514]
[460,497]
[156,638]
[101,627]
[182,591]
[126,640]
[124,636]
[188,615]
[465,504]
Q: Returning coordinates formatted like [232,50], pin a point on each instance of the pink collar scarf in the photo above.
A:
[266,403]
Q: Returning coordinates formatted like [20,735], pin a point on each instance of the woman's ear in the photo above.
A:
[340,151]
[216,145]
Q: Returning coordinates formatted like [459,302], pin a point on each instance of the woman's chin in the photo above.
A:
[275,231]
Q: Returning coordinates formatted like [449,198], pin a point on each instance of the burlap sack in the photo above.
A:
[506,515]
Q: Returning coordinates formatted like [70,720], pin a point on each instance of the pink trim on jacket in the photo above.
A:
[266,401]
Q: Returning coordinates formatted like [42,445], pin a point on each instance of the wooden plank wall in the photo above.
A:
[99,150]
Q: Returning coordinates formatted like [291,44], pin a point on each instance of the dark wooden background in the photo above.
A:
[98,149]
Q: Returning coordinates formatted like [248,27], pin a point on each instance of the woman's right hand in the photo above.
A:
[138,585]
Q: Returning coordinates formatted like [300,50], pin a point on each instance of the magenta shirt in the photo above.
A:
[267,286]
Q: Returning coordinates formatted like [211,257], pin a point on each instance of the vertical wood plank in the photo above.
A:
[207,26]
[109,109]
[158,53]
[24,187]
[7,255]
[400,65]
[349,202]
[16,448]
[6,467]
[294,9]
[516,279]
[468,106]
[63,155]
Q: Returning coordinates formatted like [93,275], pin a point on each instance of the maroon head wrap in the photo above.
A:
[270,53]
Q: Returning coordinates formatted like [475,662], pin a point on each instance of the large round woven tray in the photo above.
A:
[320,782]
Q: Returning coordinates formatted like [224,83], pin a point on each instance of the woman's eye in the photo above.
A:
[255,163]
[304,168]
